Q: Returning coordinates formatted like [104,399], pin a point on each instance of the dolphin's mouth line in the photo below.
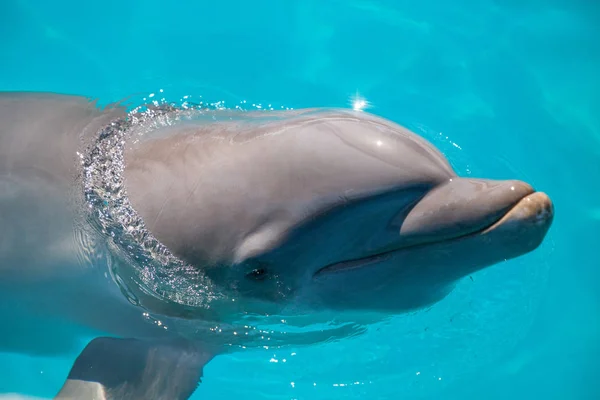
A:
[361,262]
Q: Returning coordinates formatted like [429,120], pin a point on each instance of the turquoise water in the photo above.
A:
[507,89]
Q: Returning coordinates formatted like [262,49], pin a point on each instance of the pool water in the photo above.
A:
[505,88]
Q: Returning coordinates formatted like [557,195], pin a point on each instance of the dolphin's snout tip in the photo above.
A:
[535,210]
[532,206]
[540,207]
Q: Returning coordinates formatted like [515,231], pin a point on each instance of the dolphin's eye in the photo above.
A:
[257,273]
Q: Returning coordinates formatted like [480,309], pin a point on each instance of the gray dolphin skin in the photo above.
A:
[147,228]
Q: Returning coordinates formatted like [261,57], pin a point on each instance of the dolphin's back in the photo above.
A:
[40,136]
[43,131]
[47,282]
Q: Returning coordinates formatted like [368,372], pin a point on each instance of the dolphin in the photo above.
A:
[157,229]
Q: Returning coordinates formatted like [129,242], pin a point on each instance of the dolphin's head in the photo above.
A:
[335,209]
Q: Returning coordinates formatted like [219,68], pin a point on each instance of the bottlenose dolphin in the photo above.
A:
[157,228]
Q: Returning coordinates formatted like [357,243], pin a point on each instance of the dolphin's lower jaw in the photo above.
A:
[519,231]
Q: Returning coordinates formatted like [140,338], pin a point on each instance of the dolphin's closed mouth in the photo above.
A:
[535,208]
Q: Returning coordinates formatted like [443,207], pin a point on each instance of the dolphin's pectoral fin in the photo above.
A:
[131,369]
